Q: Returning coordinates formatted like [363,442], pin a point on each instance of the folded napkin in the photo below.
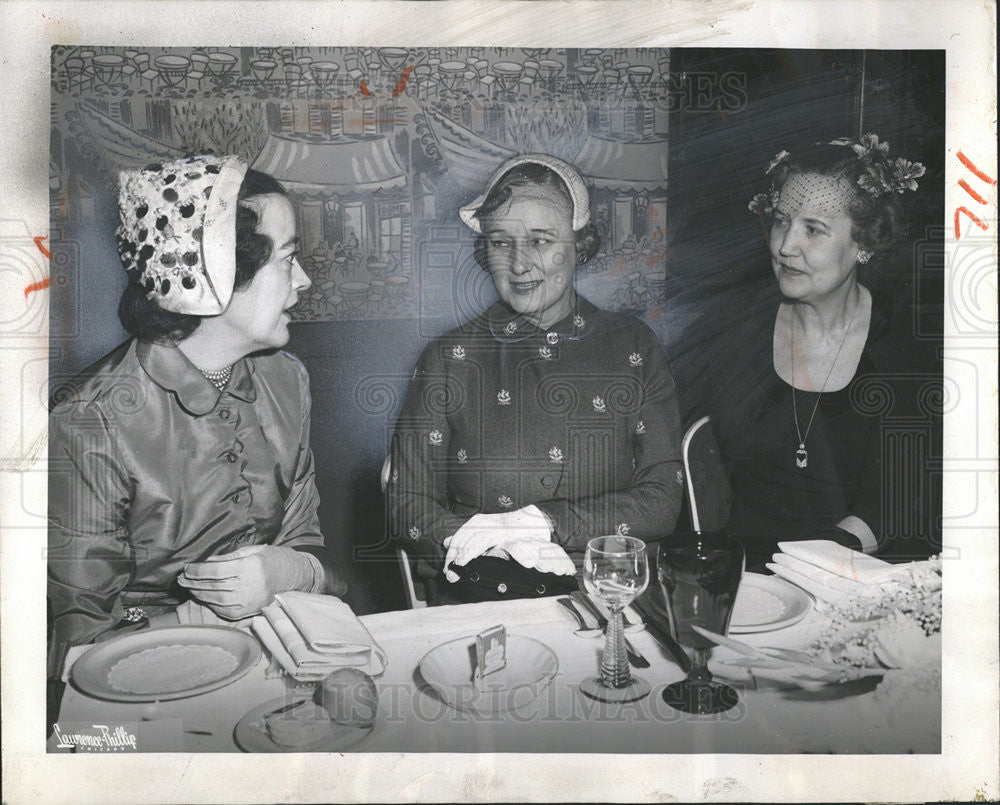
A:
[839,560]
[832,572]
[313,635]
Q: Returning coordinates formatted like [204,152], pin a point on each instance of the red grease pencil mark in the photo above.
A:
[968,163]
[41,248]
[965,186]
[36,286]
[403,78]
[364,89]
[972,216]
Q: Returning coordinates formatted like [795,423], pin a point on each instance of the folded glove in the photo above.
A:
[524,535]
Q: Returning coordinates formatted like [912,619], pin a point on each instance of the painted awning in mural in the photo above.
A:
[618,165]
[331,168]
[469,158]
[120,147]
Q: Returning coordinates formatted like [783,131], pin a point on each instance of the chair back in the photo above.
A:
[413,600]
[706,481]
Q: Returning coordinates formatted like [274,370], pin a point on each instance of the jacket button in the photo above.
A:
[548,481]
[231,457]
[224,413]
[501,588]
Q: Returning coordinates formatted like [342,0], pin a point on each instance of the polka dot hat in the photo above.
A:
[177,231]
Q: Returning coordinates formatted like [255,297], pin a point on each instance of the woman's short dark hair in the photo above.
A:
[145,320]
[532,174]
[877,222]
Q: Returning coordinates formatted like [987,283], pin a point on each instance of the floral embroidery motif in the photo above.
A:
[635,359]
[435,437]
[623,529]
[414,532]
[640,427]
[545,352]
[505,501]
[599,405]
[555,454]
[680,477]
[458,352]
[503,397]
[462,456]
[552,338]
[510,328]
[578,320]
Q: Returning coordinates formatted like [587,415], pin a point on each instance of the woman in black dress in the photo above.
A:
[796,385]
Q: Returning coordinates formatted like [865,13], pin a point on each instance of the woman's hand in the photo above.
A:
[235,585]
[524,534]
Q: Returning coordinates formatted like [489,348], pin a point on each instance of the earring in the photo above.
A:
[863,256]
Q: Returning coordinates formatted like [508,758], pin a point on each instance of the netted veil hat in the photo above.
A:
[177,231]
[574,183]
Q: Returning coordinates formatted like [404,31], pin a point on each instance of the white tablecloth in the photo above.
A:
[769,719]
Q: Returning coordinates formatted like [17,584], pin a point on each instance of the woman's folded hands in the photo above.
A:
[235,585]
[525,535]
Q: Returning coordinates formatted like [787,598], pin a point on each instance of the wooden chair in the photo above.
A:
[413,600]
[709,494]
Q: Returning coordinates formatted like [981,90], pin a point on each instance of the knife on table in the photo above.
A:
[663,637]
[634,656]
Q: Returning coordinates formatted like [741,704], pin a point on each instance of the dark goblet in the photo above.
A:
[699,575]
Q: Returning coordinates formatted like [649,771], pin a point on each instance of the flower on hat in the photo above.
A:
[177,231]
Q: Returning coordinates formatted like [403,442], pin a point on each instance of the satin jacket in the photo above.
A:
[152,467]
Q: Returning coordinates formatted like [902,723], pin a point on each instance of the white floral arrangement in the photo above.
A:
[891,630]
[894,626]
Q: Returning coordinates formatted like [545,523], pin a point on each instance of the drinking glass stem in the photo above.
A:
[614,660]
[699,667]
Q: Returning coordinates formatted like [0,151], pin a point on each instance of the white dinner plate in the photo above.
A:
[90,673]
[252,736]
[757,604]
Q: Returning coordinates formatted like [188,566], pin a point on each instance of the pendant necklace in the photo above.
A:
[802,455]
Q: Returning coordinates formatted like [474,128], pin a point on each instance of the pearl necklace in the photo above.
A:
[218,377]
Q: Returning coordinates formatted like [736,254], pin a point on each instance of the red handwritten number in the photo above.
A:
[39,286]
[975,196]
[968,163]
[36,286]
[972,216]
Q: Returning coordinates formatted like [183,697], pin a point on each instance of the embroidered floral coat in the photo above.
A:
[579,419]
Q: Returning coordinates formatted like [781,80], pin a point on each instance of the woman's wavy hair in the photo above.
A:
[145,320]
[878,222]
[532,174]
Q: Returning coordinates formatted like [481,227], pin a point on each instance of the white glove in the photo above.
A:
[525,535]
[241,583]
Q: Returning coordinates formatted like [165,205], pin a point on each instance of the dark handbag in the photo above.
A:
[490,578]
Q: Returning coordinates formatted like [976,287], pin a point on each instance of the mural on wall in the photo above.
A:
[379,147]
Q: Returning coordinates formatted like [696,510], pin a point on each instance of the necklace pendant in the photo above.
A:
[801,457]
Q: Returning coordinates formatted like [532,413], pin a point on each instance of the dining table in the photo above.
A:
[770,717]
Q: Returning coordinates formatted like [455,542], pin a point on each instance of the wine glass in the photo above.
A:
[699,575]
[616,569]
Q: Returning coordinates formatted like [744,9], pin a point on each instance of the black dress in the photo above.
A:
[861,441]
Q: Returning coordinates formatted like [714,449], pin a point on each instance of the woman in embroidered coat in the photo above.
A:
[544,421]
